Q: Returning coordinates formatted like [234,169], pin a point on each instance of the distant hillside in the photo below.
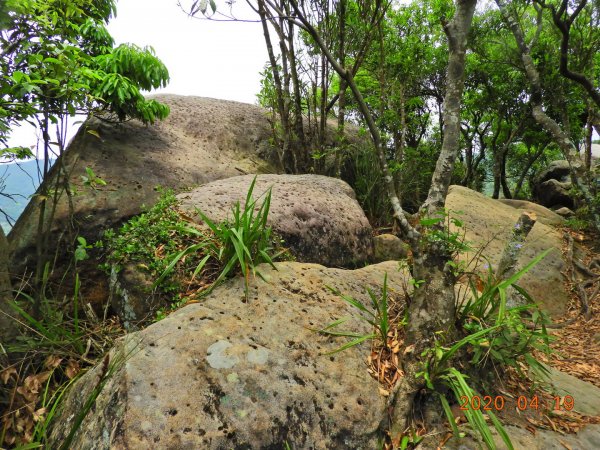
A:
[20,181]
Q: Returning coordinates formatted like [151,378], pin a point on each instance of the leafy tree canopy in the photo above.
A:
[59,59]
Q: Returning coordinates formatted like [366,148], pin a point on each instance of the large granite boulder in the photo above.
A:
[318,217]
[229,373]
[202,140]
[551,187]
[488,223]
[544,215]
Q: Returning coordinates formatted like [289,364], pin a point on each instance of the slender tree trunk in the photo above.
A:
[41,249]
[431,311]
[530,162]
[285,145]
[467,178]
[301,157]
[8,326]
[564,142]
[503,181]
[399,215]
[341,135]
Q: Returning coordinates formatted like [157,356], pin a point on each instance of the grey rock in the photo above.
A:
[489,224]
[553,193]
[387,247]
[202,140]
[318,217]
[226,373]
[543,214]
[557,170]
[132,296]
[564,212]
[586,396]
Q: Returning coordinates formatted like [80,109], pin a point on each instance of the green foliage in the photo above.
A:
[437,232]
[494,336]
[241,243]
[456,381]
[91,180]
[138,240]
[173,250]
[376,316]
[59,59]
[362,172]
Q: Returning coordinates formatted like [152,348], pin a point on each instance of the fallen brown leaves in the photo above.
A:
[29,398]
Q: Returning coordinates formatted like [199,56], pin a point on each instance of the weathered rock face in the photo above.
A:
[551,187]
[202,140]
[544,215]
[489,223]
[387,247]
[554,193]
[226,374]
[318,217]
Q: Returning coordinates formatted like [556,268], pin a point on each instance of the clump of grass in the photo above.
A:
[240,243]
[188,260]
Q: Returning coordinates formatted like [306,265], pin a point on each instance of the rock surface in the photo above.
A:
[202,140]
[543,214]
[586,398]
[387,247]
[225,374]
[489,223]
[551,186]
[318,217]
[555,194]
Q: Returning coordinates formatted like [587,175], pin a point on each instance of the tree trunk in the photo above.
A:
[8,326]
[431,311]
[530,162]
[578,173]
[285,144]
[341,141]
[503,181]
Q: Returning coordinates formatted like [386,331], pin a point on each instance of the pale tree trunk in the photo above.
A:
[433,304]
[432,308]
[431,311]
[562,139]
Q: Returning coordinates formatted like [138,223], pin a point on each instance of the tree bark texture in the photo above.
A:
[431,311]
[7,325]
[456,31]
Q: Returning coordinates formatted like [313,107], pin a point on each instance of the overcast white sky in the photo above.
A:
[205,58]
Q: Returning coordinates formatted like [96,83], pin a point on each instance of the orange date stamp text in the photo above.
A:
[522,403]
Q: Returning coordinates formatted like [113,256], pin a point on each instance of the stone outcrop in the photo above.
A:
[388,247]
[552,185]
[543,214]
[202,140]
[488,223]
[226,373]
[318,217]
